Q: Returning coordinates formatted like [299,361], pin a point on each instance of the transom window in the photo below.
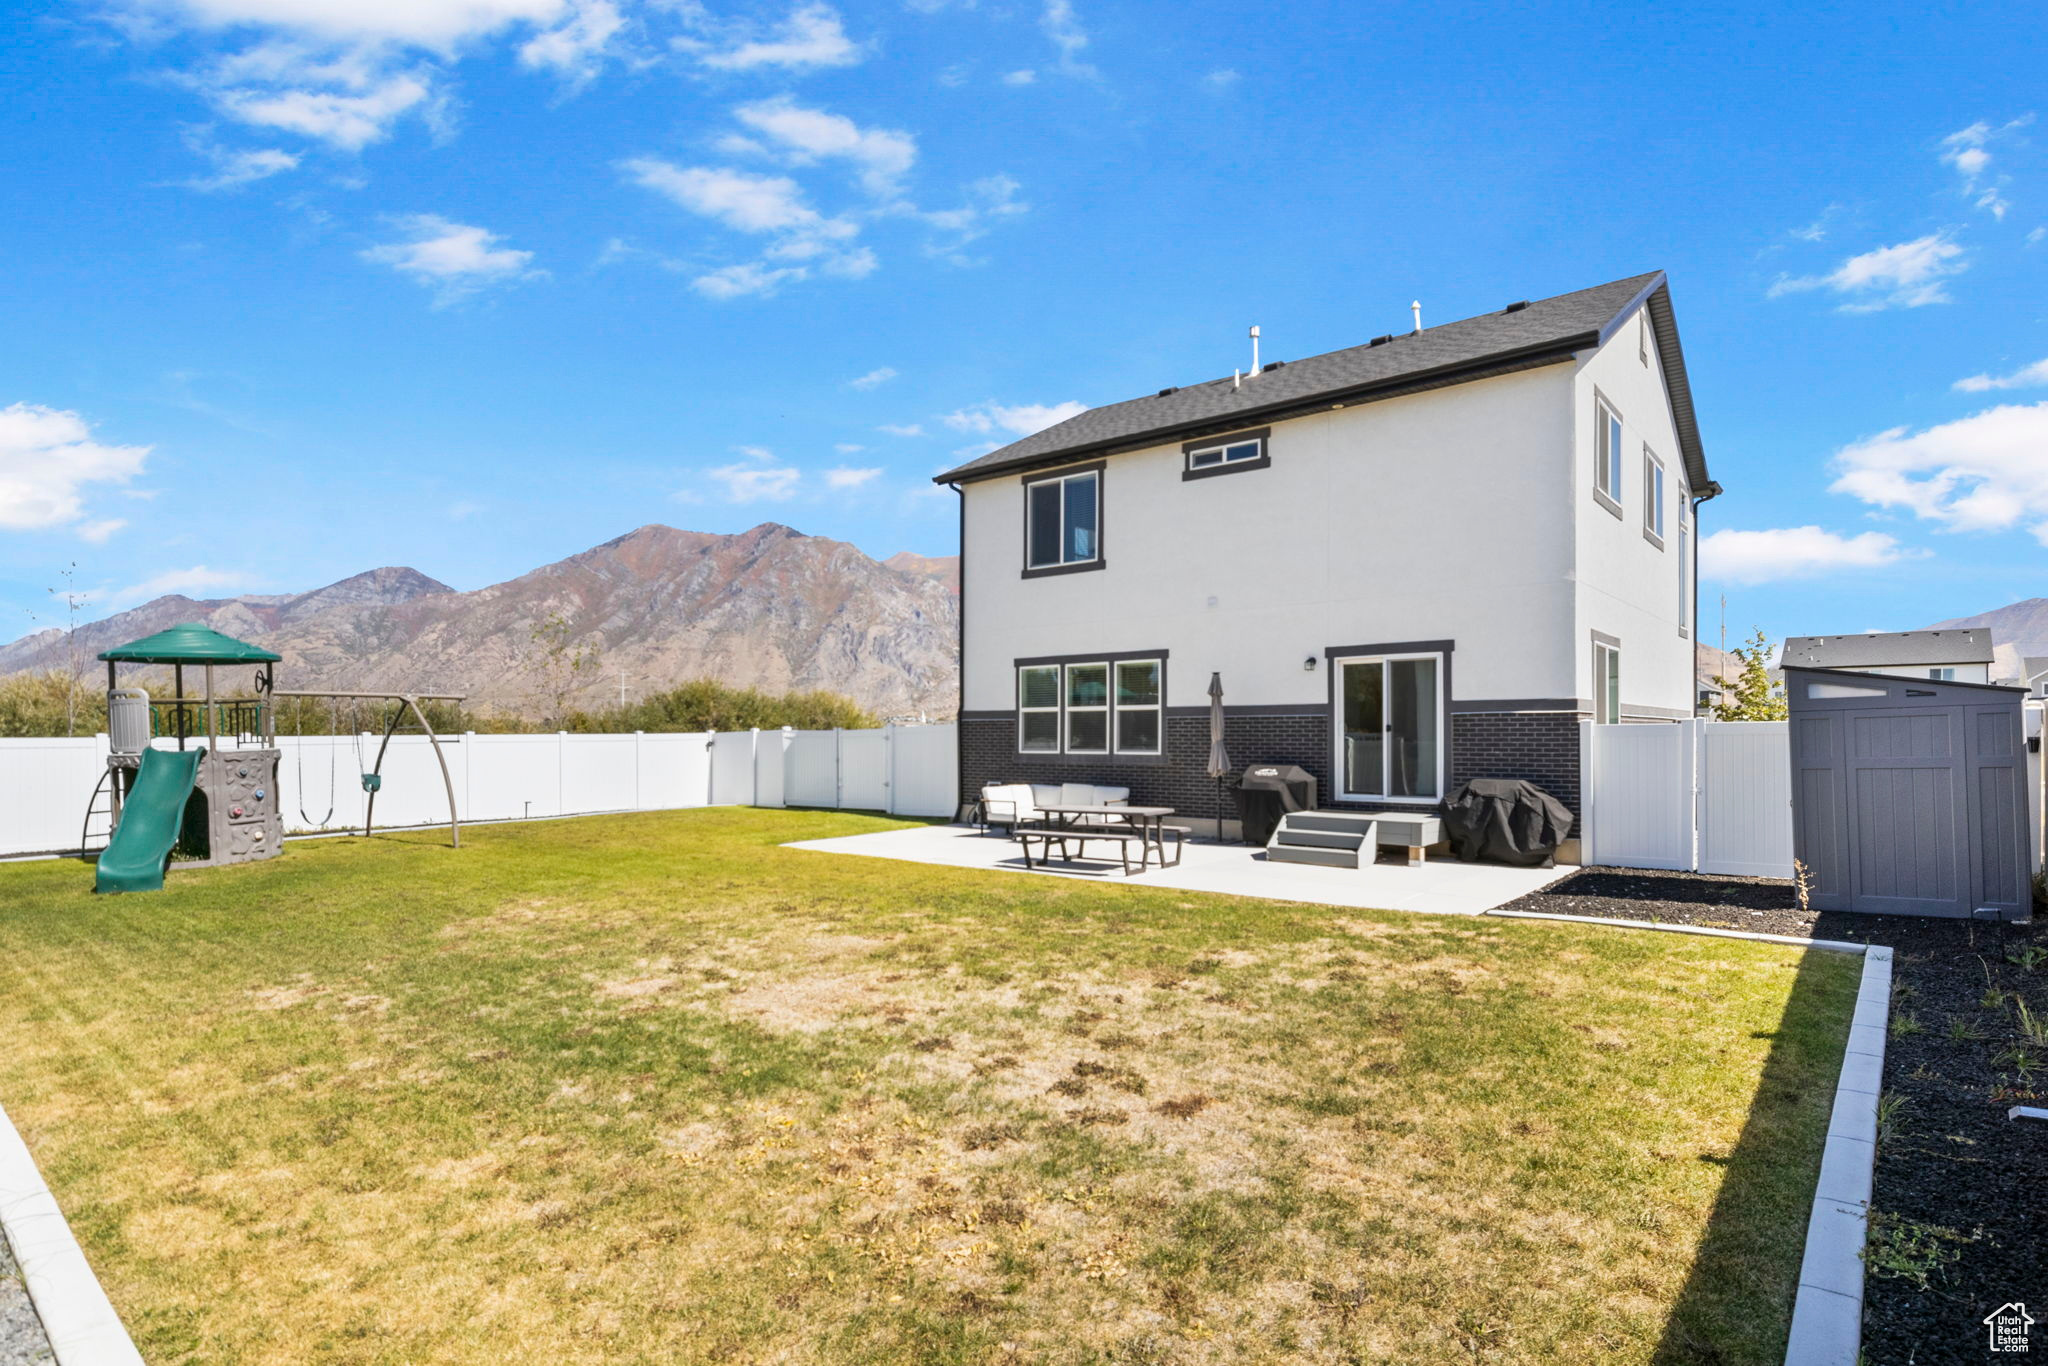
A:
[1608,443]
[1063,520]
[1226,455]
[1606,682]
[1390,726]
[1091,707]
[1653,495]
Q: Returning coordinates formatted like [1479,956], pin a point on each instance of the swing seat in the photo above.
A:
[373,782]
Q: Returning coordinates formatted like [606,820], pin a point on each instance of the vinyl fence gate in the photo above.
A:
[1694,796]
[1909,796]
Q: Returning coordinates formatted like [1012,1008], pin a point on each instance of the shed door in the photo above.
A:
[1906,812]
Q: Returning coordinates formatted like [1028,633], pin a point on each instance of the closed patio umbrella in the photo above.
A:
[1219,757]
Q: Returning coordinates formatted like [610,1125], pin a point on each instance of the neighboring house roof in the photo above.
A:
[1890,649]
[190,643]
[2036,666]
[1520,336]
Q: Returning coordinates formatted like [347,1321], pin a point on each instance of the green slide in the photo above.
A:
[151,819]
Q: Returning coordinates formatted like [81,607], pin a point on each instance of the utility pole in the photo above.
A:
[622,690]
[1724,623]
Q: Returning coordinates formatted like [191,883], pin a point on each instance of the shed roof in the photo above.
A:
[1890,649]
[189,642]
[1517,337]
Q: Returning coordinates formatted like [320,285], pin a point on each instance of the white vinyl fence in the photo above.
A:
[1705,796]
[46,785]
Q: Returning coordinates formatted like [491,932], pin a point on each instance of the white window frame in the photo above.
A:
[1609,438]
[1029,538]
[1945,673]
[1606,683]
[1443,738]
[1684,563]
[1067,745]
[1653,496]
[1227,453]
[1643,335]
[1059,720]
[1157,707]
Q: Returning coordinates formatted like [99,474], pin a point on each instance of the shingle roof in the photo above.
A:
[1889,649]
[1449,353]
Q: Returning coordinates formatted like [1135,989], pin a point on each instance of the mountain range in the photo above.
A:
[2023,625]
[769,608]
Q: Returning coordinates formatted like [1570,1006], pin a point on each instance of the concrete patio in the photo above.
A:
[1442,885]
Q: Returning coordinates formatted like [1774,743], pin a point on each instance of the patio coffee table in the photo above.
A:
[1412,833]
[1102,821]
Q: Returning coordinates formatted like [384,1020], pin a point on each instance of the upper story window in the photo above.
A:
[1063,522]
[1684,562]
[1653,496]
[1942,675]
[1225,454]
[1607,445]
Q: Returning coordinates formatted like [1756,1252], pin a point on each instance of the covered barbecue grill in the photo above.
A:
[1266,792]
[1506,820]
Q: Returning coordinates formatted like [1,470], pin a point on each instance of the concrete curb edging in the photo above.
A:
[77,1316]
[1835,945]
[1827,1315]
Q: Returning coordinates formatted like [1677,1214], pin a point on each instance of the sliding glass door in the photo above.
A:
[1390,727]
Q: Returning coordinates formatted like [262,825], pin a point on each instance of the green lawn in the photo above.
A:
[650,1088]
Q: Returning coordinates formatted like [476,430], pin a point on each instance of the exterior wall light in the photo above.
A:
[1309,664]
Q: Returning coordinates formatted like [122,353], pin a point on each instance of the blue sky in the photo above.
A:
[303,287]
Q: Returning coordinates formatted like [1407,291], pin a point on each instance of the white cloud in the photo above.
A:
[1021,419]
[196,582]
[849,448]
[881,157]
[575,48]
[757,478]
[1967,150]
[48,460]
[455,259]
[2026,377]
[98,533]
[739,199]
[902,429]
[880,375]
[463,510]
[1905,275]
[1063,26]
[811,37]
[1793,552]
[1985,472]
[349,121]
[1026,76]
[1220,80]
[749,277]
[845,478]
[436,24]
[989,199]
[235,168]
[979,448]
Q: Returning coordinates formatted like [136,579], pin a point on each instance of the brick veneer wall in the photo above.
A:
[1542,747]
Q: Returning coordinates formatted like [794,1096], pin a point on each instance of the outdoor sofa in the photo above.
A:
[1010,805]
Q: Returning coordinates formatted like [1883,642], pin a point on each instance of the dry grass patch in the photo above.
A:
[654,1089]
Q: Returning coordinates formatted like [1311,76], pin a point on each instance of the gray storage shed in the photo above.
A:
[1909,796]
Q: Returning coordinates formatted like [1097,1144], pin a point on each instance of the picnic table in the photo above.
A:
[1075,825]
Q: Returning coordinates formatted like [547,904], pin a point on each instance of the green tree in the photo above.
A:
[1753,695]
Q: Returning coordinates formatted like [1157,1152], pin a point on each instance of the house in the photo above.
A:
[1956,655]
[1411,562]
[2034,671]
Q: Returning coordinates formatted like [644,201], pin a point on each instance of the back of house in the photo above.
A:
[1408,563]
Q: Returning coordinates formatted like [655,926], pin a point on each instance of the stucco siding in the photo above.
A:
[1439,516]
[1628,587]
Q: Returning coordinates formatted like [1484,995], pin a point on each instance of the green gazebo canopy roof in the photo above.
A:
[189,643]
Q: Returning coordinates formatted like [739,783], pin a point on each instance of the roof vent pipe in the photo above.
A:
[1416,309]
[1255,350]
[1237,379]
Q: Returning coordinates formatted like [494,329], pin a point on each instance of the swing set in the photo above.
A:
[373,776]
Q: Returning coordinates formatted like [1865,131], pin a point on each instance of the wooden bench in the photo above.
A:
[1079,837]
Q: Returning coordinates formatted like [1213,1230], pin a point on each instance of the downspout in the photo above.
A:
[1712,491]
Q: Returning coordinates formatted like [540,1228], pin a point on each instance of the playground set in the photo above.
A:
[213,800]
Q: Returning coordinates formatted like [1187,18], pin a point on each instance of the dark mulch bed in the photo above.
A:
[1961,1222]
